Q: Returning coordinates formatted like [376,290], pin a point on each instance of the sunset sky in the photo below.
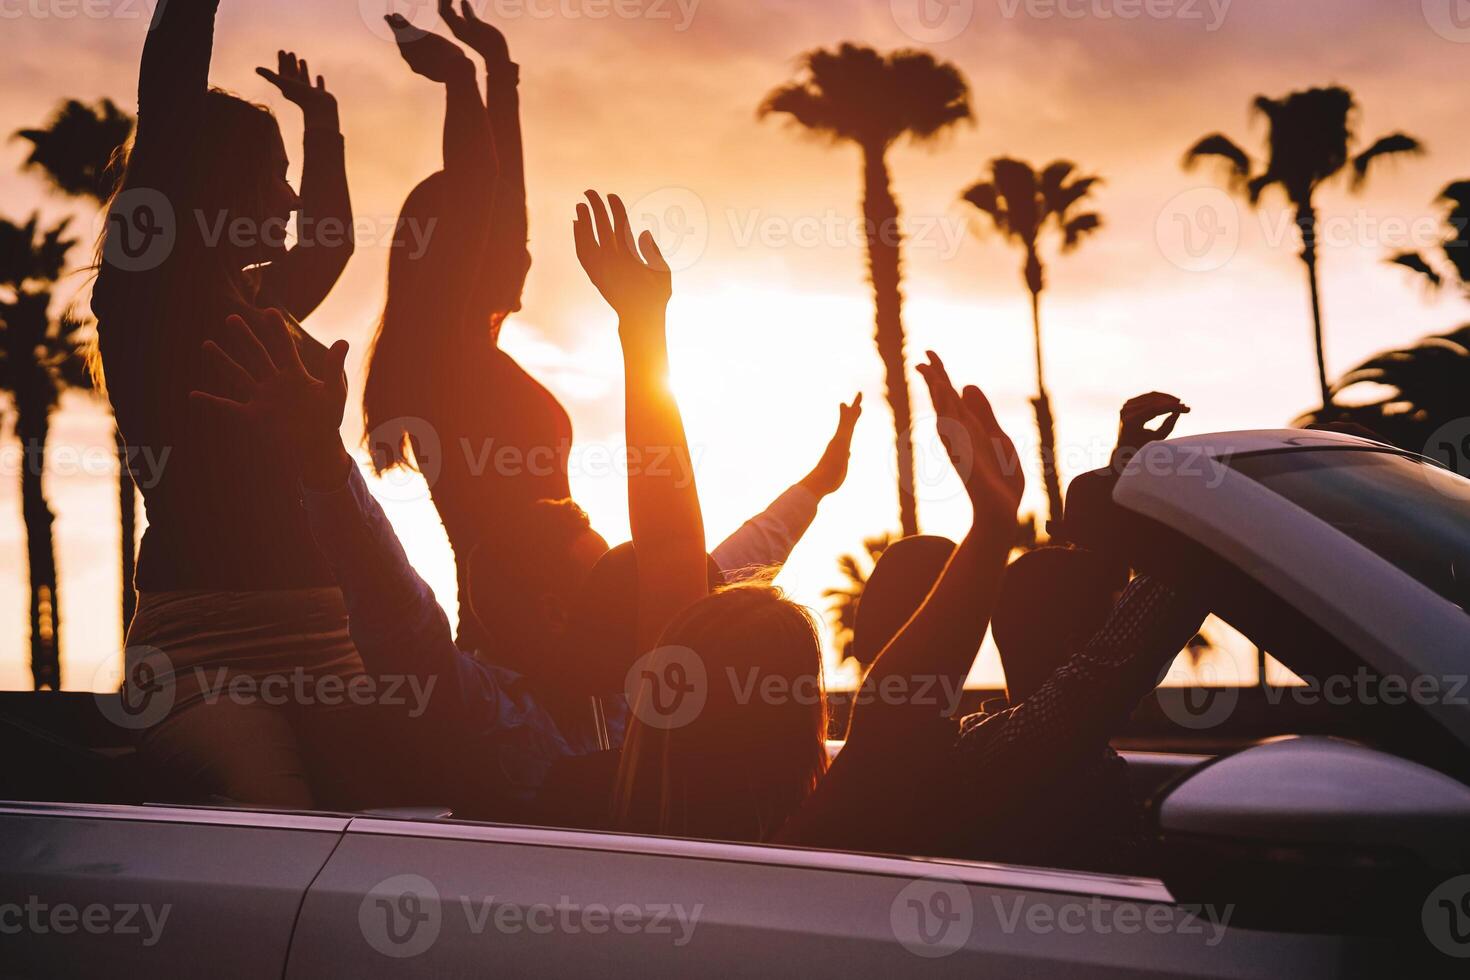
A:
[772,320]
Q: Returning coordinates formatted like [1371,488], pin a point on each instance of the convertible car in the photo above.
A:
[1302,855]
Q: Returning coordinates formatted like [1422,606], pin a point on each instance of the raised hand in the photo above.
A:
[484,39]
[436,58]
[981,452]
[638,286]
[1133,433]
[831,470]
[264,385]
[293,77]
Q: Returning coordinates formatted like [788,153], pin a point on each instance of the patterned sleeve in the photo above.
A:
[1083,703]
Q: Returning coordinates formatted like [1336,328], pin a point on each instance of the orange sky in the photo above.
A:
[772,320]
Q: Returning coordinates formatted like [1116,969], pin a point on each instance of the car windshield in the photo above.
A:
[1413,514]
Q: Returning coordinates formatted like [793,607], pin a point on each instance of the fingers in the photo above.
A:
[941,389]
[622,227]
[847,415]
[1167,426]
[469,12]
[1149,406]
[336,361]
[271,77]
[582,235]
[248,351]
[600,219]
[233,377]
[651,254]
[271,329]
[447,14]
[215,405]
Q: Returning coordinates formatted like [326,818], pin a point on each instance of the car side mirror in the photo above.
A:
[1314,834]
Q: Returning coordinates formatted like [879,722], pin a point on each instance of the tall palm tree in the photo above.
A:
[1309,142]
[1456,246]
[77,151]
[857,95]
[1023,204]
[37,354]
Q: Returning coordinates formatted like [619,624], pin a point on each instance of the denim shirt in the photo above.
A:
[400,630]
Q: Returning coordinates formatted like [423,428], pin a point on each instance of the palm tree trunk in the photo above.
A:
[880,212]
[127,509]
[31,426]
[1045,427]
[1306,219]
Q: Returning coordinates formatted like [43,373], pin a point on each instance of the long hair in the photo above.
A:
[755,750]
[225,181]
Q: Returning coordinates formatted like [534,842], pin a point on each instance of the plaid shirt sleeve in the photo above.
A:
[1071,717]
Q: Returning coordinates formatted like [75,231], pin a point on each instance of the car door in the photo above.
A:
[142,891]
[439,899]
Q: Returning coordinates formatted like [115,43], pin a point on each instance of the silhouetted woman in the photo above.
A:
[230,583]
[441,396]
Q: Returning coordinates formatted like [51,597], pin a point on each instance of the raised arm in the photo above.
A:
[935,650]
[663,501]
[306,274]
[172,83]
[469,146]
[507,259]
[766,540]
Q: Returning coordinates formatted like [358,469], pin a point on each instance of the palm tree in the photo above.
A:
[37,354]
[845,598]
[1456,245]
[77,151]
[857,95]
[1423,388]
[1308,143]
[1023,204]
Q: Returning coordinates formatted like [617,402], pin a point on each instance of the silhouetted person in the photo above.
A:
[498,467]
[229,580]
